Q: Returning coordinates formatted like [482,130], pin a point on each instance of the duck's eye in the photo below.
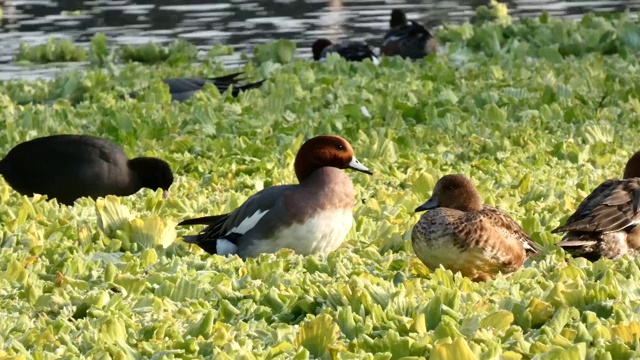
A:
[339,146]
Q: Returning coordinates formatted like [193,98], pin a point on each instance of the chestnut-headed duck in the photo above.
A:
[350,50]
[461,234]
[407,39]
[312,217]
[606,222]
[68,167]
[182,89]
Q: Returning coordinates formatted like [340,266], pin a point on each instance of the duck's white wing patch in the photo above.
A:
[375,61]
[248,223]
[393,38]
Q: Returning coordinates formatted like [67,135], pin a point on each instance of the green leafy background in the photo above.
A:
[537,112]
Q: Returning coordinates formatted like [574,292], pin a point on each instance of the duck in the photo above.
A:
[183,88]
[463,235]
[605,224]
[407,39]
[67,167]
[349,50]
[312,217]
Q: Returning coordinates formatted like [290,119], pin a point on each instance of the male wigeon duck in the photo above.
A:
[350,50]
[606,222]
[407,39]
[182,89]
[67,167]
[461,234]
[312,217]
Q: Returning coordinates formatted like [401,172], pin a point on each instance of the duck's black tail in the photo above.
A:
[205,220]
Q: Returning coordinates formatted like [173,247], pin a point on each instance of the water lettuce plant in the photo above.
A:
[537,129]
[54,50]
[179,51]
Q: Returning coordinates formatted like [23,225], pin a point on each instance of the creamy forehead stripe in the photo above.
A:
[248,223]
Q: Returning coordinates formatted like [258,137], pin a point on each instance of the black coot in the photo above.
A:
[67,167]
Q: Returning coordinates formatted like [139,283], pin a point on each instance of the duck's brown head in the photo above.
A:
[454,192]
[326,150]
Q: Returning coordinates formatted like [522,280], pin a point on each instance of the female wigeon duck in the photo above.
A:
[312,217]
[606,222]
[350,50]
[462,234]
[407,39]
[67,167]
[182,89]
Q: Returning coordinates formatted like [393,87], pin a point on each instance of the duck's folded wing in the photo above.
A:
[180,88]
[510,228]
[182,85]
[245,218]
[183,88]
[356,51]
[612,206]
[395,34]
[415,30]
[486,234]
[411,30]
[190,85]
[185,84]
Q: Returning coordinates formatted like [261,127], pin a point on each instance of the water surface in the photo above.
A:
[238,23]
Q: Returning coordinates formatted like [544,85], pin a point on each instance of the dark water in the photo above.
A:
[239,23]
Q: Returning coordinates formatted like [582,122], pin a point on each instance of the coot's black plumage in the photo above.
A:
[182,89]
[67,167]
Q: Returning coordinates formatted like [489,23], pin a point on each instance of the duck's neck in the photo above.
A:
[632,169]
[326,175]
[472,202]
[304,170]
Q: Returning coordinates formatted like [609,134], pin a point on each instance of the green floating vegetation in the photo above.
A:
[99,53]
[178,52]
[280,51]
[536,132]
[546,36]
[55,50]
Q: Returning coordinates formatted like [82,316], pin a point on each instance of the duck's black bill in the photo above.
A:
[430,204]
